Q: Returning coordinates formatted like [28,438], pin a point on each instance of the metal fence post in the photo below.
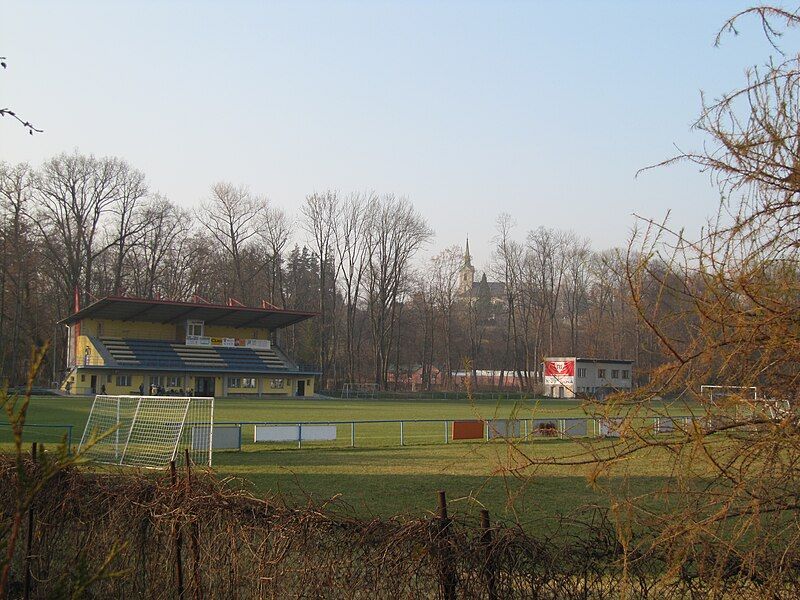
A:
[402,441]
[525,421]
[299,436]
[353,434]
[445,432]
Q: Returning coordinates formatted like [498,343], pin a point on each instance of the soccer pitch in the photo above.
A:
[378,476]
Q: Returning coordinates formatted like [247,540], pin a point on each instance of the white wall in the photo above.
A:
[593,381]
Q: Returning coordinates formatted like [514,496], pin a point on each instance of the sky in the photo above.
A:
[542,110]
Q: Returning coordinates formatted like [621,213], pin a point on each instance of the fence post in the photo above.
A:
[193,535]
[178,538]
[525,421]
[299,436]
[29,539]
[447,572]
[69,439]
[402,441]
[353,434]
[445,432]
[489,569]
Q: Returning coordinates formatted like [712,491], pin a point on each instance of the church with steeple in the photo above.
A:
[467,273]
[495,290]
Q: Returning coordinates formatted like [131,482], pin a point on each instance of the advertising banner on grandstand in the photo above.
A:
[197,340]
[200,340]
[257,344]
[559,372]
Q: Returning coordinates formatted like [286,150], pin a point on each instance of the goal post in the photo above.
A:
[148,431]
[359,390]
[726,391]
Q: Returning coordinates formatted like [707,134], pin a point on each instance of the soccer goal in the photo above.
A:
[148,431]
[717,393]
[359,390]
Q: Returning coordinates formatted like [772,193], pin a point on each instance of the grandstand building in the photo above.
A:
[572,377]
[124,345]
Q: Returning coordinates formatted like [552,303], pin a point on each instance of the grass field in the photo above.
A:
[378,476]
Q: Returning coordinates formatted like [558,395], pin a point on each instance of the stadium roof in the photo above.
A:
[168,311]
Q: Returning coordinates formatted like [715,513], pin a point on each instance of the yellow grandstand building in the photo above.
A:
[122,345]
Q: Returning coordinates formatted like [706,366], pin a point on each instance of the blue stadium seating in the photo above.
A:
[173,355]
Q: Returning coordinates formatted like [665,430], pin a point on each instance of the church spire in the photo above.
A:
[467,257]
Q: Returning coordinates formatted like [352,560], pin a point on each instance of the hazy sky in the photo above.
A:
[544,110]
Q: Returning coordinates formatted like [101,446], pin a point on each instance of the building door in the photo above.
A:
[94,384]
[561,391]
[205,386]
[301,387]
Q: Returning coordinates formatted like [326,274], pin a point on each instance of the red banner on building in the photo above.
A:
[559,368]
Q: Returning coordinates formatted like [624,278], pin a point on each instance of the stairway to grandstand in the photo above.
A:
[165,354]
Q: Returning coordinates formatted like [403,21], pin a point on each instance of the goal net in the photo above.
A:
[720,393]
[359,390]
[148,431]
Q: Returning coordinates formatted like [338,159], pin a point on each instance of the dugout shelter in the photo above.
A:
[121,345]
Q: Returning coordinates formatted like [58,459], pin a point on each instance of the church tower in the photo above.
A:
[467,273]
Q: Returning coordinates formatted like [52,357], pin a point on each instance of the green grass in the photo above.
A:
[378,476]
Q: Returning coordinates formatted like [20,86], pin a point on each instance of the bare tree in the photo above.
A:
[577,260]
[275,229]
[75,194]
[157,256]
[397,233]
[231,215]
[507,261]
[16,266]
[444,277]
[353,256]
[320,214]
[128,222]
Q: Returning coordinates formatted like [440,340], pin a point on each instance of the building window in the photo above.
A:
[248,382]
[581,371]
[614,373]
[156,380]
[625,374]
[194,328]
[276,384]
[174,381]
[108,378]
[234,382]
[601,373]
[123,380]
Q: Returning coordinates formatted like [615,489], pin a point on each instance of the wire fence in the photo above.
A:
[47,434]
[185,534]
[409,432]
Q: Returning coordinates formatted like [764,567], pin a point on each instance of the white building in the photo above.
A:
[571,376]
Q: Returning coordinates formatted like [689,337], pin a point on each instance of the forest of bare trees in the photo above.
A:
[360,260]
